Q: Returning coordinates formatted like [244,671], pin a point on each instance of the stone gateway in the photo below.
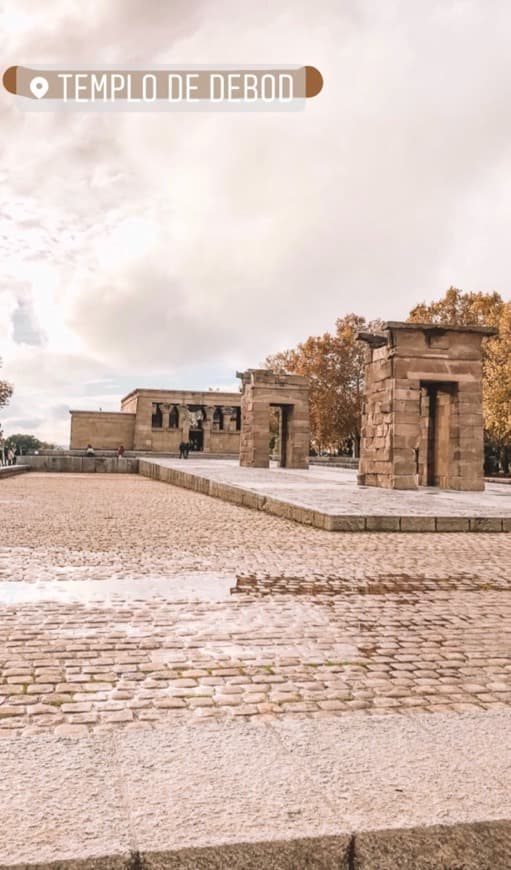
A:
[263,390]
[422,416]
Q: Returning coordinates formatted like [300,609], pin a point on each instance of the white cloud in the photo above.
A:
[160,245]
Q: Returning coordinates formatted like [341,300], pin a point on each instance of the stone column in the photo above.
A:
[298,435]
[165,410]
[184,422]
[468,436]
[207,426]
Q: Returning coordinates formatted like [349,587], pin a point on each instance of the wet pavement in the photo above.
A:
[185,587]
[128,603]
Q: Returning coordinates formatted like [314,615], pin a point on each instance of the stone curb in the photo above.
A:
[309,517]
[478,846]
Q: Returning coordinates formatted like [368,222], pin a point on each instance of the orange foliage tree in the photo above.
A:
[334,365]
[482,309]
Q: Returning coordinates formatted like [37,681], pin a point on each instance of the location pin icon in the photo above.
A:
[39,86]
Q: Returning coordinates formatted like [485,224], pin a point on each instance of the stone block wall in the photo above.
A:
[376,433]
[105,430]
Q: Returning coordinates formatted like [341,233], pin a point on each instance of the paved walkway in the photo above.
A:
[179,675]
[329,498]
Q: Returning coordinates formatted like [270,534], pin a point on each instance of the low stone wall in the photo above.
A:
[335,461]
[85,464]
[10,470]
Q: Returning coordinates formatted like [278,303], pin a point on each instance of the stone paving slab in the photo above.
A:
[61,800]
[330,499]
[324,794]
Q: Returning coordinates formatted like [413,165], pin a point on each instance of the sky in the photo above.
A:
[171,250]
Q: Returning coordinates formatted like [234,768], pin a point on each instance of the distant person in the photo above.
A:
[10,456]
[90,450]
[183,453]
[188,447]
[120,452]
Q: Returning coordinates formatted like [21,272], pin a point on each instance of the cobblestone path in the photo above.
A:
[318,625]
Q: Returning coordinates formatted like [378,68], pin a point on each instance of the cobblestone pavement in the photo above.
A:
[82,526]
[319,625]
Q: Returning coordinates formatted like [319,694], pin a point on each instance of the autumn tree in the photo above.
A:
[482,309]
[334,366]
[461,309]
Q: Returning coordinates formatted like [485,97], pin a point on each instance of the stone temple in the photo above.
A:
[422,415]
[422,418]
[158,420]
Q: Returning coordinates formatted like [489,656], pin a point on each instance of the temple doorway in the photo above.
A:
[436,409]
[279,432]
[196,440]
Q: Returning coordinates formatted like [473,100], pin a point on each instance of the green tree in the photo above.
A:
[27,443]
[5,391]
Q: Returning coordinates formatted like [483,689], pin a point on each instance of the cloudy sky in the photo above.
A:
[169,250]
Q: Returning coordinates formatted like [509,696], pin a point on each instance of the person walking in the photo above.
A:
[182,450]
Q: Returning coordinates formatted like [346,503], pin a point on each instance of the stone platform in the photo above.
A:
[372,793]
[329,498]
